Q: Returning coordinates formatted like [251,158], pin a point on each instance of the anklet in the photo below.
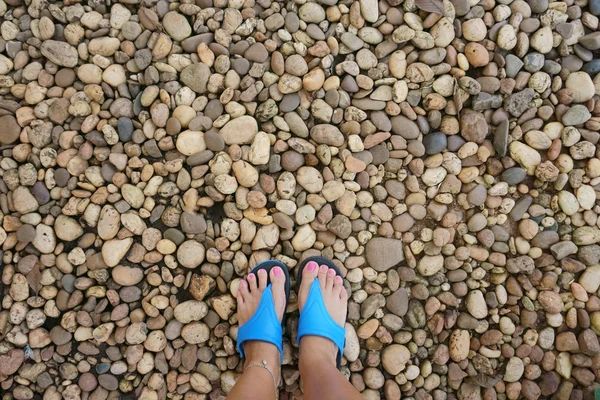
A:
[264,365]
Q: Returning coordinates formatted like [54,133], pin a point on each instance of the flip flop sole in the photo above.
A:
[268,266]
[321,261]
[263,325]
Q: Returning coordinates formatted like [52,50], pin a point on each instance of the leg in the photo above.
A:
[321,378]
[256,382]
[317,363]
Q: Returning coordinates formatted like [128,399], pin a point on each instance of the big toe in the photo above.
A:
[278,288]
[309,274]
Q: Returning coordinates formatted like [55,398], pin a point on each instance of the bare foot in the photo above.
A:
[248,299]
[335,298]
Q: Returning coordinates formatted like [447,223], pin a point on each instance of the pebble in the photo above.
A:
[196,76]
[514,370]
[9,129]
[434,142]
[576,115]
[581,85]
[177,26]
[514,175]
[383,253]
[394,358]
[241,130]
[397,302]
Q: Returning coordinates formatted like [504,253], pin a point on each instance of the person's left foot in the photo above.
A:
[248,298]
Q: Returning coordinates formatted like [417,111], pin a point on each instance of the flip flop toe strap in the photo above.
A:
[316,321]
[263,326]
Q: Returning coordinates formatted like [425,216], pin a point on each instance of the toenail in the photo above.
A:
[331,272]
[262,272]
[338,279]
[323,268]
[311,266]
[277,271]
[251,276]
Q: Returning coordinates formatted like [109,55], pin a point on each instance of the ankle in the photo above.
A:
[256,352]
[316,350]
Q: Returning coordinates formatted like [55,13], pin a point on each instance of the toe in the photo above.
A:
[277,280]
[262,279]
[323,276]
[243,292]
[239,298]
[330,279]
[278,289]
[309,273]
[338,285]
[344,294]
[252,283]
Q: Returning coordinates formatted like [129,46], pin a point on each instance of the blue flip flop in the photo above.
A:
[314,318]
[264,325]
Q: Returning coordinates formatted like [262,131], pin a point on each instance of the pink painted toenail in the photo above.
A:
[323,268]
[331,272]
[338,278]
[251,276]
[311,266]
[277,271]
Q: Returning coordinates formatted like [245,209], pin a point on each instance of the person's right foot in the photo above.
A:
[335,298]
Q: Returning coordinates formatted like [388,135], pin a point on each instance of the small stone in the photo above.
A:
[590,279]
[11,361]
[551,302]
[542,40]
[24,201]
[190,142]
[127,276]
[430,265]
[190,254]
[201,286]
[576,115]
[196,76]
[476,304]
[240,130]
[582,86]
[459,345]
[60,53]
[9,129]
[501,138]
[394,358]
[133,195]
[590,41]
[114,250]
[191,310]
[526,156]
[176,25]
[588,343]
[67,228]
[517,103]
[383,254]
[327,134]
[514,370]
[473,126]
[397,302]
[434,143]
[352,346]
